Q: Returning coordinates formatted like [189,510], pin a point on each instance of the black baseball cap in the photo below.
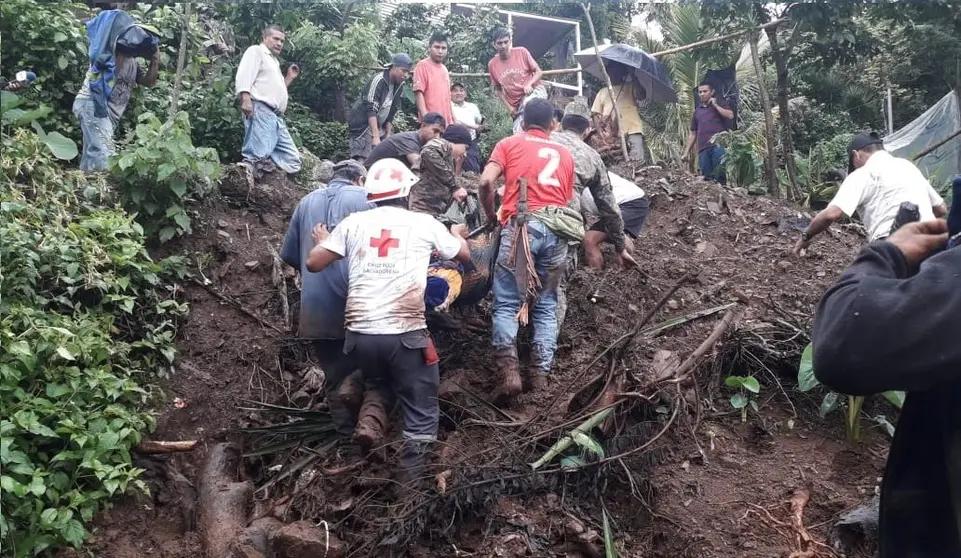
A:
[859,142]
[402,60]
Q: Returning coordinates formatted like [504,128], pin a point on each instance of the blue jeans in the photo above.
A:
[709,162]
[550,256]
[266,135]
[98,143]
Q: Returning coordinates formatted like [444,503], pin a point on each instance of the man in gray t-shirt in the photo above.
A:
[98,132]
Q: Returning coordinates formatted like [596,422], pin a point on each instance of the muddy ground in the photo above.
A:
[709,486]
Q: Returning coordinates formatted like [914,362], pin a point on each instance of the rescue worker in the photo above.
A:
[432,194]
[633,205]
[877,185]
[388,250]
[323,296]
[591,173]
[891,322]
[548,169]
[406,146]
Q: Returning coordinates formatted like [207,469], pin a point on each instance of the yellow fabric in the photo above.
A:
[630,117]
[454,282]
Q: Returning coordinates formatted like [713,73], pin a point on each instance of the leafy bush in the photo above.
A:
[742,161]
[59,145]
[327,140]
[48,38]
[160,170]
[85,316]
[215,117]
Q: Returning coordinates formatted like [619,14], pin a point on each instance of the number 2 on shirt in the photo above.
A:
[547,176]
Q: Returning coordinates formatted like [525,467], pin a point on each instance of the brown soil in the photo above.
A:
[712,486]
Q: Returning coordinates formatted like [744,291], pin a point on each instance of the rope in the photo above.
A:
[521,238]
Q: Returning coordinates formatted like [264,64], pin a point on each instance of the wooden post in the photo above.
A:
[770,161]
[181,57]
[607,78]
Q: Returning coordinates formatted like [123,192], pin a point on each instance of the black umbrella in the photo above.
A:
[648,72]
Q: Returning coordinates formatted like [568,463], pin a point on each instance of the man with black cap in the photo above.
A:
[372,114]
[876,187]
[323,295]
[406,146]
[437,186]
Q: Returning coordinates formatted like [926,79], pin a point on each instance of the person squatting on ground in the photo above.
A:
[406,146]
[876,187]
[710,117]
[892,322]
[108,86]
[262,90]
[323,295]
[432,81]
[388,250]
[515,76]
[372,116]
[469,115]
[437,187]
[628,94]
[547,167]
[633,205]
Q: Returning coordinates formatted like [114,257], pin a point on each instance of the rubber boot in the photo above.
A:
[509,369]
[372,421]
[411,467]
[537,378]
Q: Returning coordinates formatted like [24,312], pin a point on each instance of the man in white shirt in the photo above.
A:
[469,115]
[876,187]
[262,90]
[633,205]
[388,250]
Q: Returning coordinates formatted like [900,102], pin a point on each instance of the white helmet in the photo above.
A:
[388,179]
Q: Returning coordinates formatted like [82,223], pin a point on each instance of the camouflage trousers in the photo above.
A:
[572,248]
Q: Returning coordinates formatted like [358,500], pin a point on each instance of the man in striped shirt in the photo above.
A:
[371,116]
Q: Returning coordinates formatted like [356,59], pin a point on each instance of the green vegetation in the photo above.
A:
[747,387]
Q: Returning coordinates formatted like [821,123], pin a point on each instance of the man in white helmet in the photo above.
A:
[388,250]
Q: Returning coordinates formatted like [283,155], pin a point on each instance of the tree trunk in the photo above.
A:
[787,140]
[770,162]
[340,103]
[181,57]
[607,78]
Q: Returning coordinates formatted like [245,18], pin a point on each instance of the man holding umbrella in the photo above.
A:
[627,96]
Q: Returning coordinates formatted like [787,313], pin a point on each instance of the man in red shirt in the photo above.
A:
[432,81]
[548,168]
[515,75]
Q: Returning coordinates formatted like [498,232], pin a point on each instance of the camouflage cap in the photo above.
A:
[578,107]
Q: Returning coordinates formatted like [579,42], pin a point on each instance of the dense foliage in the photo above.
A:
[86,319]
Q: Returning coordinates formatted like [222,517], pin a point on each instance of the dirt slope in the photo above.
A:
[711,486]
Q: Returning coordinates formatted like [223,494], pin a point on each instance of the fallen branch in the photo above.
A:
[280,283]
[156,447]
[224,298]
[565,442]
[654,331]
[686,369]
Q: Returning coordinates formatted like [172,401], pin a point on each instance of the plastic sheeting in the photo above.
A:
[935,125]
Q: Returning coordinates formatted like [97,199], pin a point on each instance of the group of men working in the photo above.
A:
[365,268]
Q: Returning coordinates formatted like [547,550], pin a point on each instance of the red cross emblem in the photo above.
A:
[395,174]
[384,243]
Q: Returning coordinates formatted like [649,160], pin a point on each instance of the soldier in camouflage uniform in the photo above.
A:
[589,172]
[437,186]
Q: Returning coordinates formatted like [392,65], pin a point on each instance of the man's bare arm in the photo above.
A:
[320,257]
[491,173]
[150,78]
[421,104]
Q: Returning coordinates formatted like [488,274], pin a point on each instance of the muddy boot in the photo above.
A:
[537,378]
[351,392]
[372,421]
[411,467]
[509,369]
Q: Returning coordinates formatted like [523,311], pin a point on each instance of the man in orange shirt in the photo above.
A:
[515,76]
[432,80]
[548,168]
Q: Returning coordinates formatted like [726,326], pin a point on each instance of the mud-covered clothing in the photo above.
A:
[884,326]
[398,364]
[432,193]
[323,295]
[388,250]
[591,173]
[396,146]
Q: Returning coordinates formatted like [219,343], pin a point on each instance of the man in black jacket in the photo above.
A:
[372,114]
[893,323]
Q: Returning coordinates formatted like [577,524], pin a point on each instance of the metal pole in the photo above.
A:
[577,48]
[890,113]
